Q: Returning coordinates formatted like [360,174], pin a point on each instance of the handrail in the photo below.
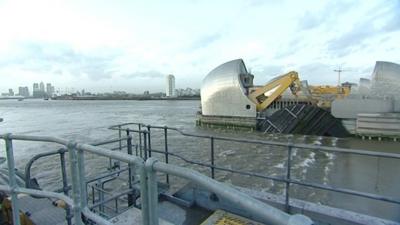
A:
[290,146]
[87,213]
[148,183]
[275,143]
[75,151]
[59,151]
[283,179]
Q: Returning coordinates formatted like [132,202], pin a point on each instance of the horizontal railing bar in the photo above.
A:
[60,141]
[84,147]
[113,197]
[110,141]
[346,191]
[38,193]
[117,148]
[107,175]
[275,143]
[221,168]
[111,154]
[283,180]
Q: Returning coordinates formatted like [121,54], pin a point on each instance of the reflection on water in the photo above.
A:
[87,121]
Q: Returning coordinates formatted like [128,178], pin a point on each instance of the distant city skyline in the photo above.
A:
[131,46]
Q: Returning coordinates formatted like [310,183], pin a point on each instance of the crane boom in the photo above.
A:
[264,96]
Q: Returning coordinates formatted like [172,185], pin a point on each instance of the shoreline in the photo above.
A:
[125,98]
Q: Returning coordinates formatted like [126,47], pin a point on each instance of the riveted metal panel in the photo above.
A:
[223,92]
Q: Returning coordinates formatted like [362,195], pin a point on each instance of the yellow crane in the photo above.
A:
[325,94]
[265,95]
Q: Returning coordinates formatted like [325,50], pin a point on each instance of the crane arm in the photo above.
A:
[274,89]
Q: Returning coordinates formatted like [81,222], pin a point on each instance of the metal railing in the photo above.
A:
[286,179]
[98,180]
[148,183]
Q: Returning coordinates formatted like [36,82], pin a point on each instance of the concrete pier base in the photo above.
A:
[378,125]
[229,122]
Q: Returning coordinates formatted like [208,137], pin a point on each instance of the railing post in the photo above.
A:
[153,191]
[145,145]
[12,181]
[119,136]
[149,139]
[68,215]
[287,185]
[212,158]
[140,141]
[130,170]
[75,183]
[82,180]
[144,195]
[166,151]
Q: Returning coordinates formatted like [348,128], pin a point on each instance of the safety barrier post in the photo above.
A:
[145,145]
[140,141]
[212,158]
[82,180]
[68,215]
[130,170]
[119,137]
[287,184]
[12,181]
[144,195]
[153,191]
[75,183]
[149,139]
[166,151]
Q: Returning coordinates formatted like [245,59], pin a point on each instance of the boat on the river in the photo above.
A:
[140,185]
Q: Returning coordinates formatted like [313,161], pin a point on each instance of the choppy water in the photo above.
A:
[87,121]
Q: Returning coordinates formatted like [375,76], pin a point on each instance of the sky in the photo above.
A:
[104,46]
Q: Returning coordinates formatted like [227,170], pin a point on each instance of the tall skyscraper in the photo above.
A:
[10,92]
[49,89]
[23,91]
[35,87]
[41,85]
[170,90]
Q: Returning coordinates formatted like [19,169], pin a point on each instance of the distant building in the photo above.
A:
[41,86]
[146,93]
[38,90]
[170,90]
[35,87]
[10,92]
[23,91]
[49,89]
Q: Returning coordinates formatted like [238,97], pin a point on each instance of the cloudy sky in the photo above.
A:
[132,45]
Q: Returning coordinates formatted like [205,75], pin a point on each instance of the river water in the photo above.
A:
[87,121]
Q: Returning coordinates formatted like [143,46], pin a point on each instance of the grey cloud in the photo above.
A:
[145,74]
[317,73]
[326,16]
[353,40]
[321,73]
[290,48]
[309,21]
[60,58]
[271,70]
[393,23]
[205,41]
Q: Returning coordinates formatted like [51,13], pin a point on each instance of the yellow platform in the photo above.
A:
[221,217]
